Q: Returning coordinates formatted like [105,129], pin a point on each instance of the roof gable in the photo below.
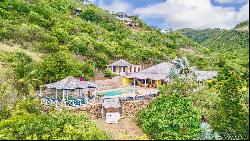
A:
[121,63]
[70,83]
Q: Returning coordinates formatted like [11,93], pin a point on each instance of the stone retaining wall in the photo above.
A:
[129,109]
[94,111]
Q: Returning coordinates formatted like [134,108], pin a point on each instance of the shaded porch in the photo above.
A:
[147,83]
[69,92]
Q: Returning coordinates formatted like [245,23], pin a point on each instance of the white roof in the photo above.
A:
[121,63]
[70,83]
[111,103]
[162,72]
[157,72]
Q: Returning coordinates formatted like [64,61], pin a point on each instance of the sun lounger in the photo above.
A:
[76,103]
[69,103]
[141,97]
[130,98]
[83,101]
[151,95]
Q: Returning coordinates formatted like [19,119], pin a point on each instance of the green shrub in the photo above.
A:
[108,73]
[170,117]
[58,66]
[56,125]
[231,116]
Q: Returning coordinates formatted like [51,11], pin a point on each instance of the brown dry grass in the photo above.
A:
[34,55]
[126,129]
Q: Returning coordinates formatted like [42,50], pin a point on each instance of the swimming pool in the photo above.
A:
[117,92]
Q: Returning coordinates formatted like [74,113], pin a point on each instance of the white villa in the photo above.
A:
[122,67]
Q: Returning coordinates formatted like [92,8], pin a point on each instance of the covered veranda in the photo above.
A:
[147,81]
[152,77]
[69,92]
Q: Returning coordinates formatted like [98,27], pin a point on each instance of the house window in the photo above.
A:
[134,69]
[124,68]
[114,69]
[139,69]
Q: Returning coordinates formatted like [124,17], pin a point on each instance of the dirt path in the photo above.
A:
[126,129]
[35,56]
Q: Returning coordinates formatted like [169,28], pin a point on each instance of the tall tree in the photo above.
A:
[231,116]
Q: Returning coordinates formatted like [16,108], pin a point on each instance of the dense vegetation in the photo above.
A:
[46,26]
[226,46]
[243,26]
[223,104]
[170,117]
[231,114]
[22,116]
[57,125]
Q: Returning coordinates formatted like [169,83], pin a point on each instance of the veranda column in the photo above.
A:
[56,93]
[40,93]
[145,83]
[67,95]
[63,100]
[80,93]
[134,82]
[63,95]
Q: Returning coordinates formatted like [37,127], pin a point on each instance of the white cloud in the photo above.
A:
[230,1]
[116,6]
[93,1]
[194,14]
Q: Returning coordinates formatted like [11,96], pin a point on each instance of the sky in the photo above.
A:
[178,14]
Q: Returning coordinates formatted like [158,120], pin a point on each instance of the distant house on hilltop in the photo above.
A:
[166,30]
[77,11]
[122,67]
[127,20]
[86,2]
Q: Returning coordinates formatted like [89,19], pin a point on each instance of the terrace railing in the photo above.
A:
[51,102]
[58,102]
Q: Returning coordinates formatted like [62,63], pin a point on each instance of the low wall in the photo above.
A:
[94,111]
[129,109]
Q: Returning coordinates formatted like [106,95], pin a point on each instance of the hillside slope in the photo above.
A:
[48,25]
[36,56]
[243,26]
[231,46]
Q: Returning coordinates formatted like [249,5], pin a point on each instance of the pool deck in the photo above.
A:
[139,92]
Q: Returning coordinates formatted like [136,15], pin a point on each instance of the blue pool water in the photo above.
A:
[119,91]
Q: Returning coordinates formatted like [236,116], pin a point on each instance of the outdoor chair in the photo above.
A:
[82,101]
[151,95]
[130,98]
[69,103]
[43,100]
[76,103]
[141,97]
[48,101]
